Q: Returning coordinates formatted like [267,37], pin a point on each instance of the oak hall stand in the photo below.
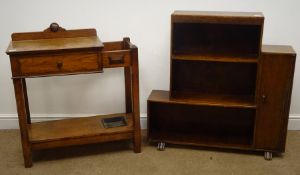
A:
[57,51]
[227,90]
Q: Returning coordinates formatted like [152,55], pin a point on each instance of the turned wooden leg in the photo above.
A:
[23,114]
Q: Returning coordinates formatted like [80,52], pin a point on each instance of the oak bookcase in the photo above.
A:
[227,90]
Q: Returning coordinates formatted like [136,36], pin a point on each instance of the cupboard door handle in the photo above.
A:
[59,64]
[264,98]
[116,59]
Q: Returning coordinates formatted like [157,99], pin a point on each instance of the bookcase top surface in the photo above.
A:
[53,41]
[279,49]
[254,18]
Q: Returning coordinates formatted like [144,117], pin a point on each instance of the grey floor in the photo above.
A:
[118,158]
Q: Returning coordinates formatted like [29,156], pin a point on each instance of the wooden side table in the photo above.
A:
[60,52]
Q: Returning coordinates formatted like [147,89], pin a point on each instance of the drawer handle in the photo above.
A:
[116,59]
[59,65]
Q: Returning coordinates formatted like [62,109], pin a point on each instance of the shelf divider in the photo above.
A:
[215,58]
[219,100]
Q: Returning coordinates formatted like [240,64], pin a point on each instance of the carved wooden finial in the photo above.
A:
[54,27]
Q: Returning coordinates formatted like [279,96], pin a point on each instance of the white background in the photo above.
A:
[147,23]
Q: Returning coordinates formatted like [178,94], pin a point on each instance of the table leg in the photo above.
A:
[128,88]
[135,101]
[22,105]
[24,88]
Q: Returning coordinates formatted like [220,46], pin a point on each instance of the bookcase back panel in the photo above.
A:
[213,77]
[216,39]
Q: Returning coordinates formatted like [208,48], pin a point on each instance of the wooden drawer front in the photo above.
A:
[116,58]
[59,64]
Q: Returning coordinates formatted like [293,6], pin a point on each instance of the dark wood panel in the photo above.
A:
[275,85]
[213,77]
[216,39]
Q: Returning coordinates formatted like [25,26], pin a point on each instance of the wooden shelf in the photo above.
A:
[237,142]
[75,128]
[215,58]
[221,100]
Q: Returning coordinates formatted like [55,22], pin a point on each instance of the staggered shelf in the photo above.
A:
[223,81]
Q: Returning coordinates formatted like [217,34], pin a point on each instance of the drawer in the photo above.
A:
[68,63]
[119,58]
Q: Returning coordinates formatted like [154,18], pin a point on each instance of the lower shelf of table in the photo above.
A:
[77,131]
[206,140]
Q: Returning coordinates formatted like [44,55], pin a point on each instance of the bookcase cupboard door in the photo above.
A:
[274,92]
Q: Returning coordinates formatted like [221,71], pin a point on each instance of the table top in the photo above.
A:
[55,44]
[54,39]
